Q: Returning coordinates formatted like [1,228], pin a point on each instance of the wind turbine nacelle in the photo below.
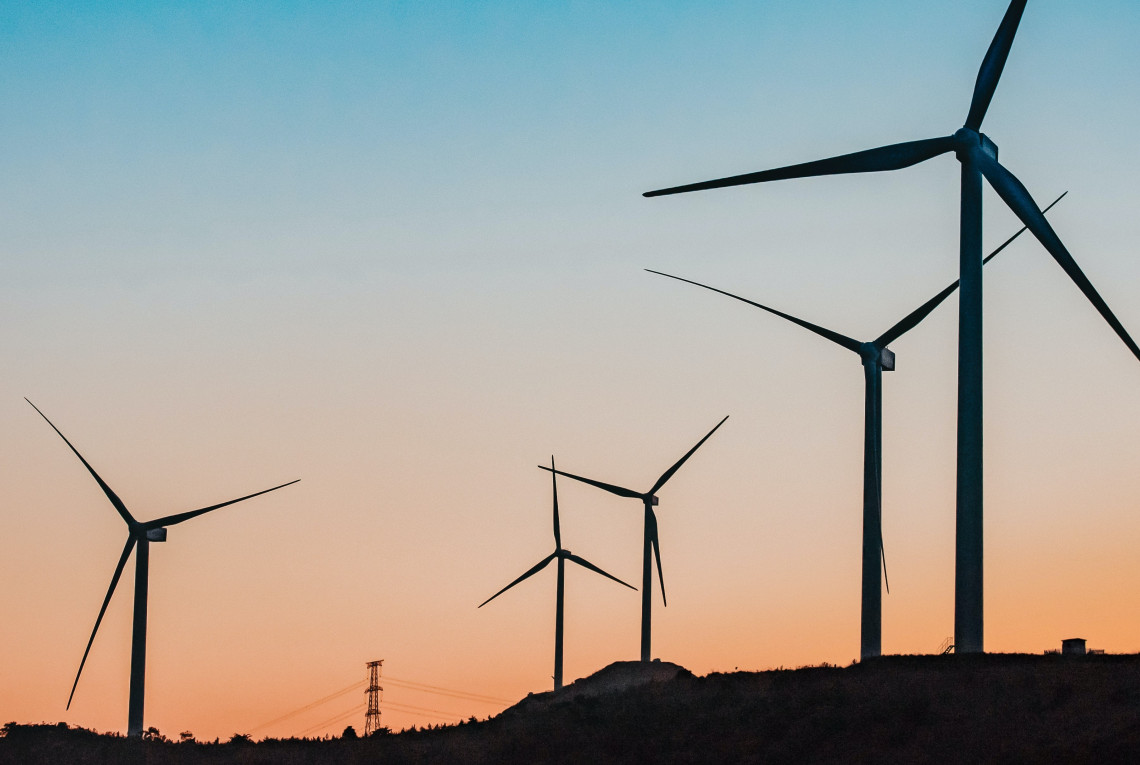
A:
[156,535]
[887,360]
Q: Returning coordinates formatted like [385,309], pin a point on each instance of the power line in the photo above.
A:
[338,718]
[347,714]
[411,684]
[459,696]
[412,708]
[310,705]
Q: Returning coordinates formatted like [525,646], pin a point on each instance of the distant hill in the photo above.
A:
[911,709]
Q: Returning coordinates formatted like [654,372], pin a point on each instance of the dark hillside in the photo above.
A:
[938,709]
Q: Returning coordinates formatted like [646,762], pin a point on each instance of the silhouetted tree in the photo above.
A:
[349,732]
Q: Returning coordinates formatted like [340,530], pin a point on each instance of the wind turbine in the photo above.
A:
[649,499]
[876,358]
[978,156]
[139,535]
[561,555]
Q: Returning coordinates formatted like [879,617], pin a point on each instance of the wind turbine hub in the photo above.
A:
[964,137]
[968,141]
[653,501]
[872,354]
[156,535]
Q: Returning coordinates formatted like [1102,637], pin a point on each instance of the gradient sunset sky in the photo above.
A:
[395,250]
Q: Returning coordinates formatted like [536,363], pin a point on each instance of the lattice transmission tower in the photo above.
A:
[372,716]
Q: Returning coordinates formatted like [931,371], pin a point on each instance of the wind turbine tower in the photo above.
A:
[651,547]
[561,554]
[876,358]
[139,536]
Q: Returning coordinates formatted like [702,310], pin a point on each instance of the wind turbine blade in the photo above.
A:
[1020,231]
[913,319]
[170,520]
[877,416]
[118,503]
[110,591]
[893,157]
[534,570]
[835,337]
[676,466]
[883,551]
[1017,197]
[587,564]
[554,483]
[657,553]
[990,71]
[621,492]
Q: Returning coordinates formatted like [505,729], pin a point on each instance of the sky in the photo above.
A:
[395,250]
